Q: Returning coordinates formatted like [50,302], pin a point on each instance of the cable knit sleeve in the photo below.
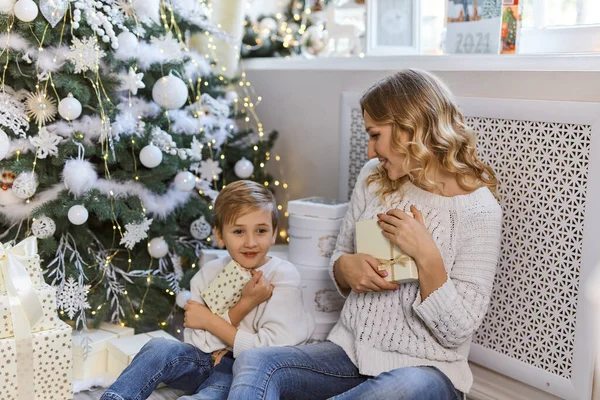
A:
[346,238]
[455,310]
[284,321]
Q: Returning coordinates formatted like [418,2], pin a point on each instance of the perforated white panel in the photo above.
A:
[543,172]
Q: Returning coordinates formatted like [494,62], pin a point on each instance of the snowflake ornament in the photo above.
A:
[73,297]
[132,81]
[12,112]
[41,108]
[85,54]
[195,150]
[46,143]
[209,169]
[135,233]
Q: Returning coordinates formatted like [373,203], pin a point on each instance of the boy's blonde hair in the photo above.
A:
[241,197]
[418,103]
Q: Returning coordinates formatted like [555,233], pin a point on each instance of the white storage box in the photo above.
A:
[320,295]
[90,355]
[318,207]
[312,240]
[121,351]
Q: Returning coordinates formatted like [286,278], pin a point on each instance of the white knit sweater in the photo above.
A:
[393,329]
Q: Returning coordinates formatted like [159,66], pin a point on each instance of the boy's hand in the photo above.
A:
[196,315]
[257,290]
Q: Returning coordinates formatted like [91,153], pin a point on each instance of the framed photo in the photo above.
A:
[393,27]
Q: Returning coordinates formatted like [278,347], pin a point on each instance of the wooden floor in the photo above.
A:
[159,394]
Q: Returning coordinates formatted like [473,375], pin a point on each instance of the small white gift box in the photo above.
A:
[90,355]
[226,289]
[51,365]
[122,351]
[26,253]
[47,296]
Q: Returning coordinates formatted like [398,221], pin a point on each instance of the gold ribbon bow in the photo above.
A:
[25,308]
[401,259]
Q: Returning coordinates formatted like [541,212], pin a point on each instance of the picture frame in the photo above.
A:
[393,27]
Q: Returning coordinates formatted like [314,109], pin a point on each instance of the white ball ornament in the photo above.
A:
[43,227]
[4,144]
[24,185]
[151,156]
[78,214]
[69,108]
[243,168]
[25,10]
[200,229]
[231,96]
[182,297]
[170,92]
[185,181]
[158,247]
[128,43]
[79,176]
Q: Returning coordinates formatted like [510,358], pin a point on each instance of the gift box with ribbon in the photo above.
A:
[226,289]
[401,268]
[36,359]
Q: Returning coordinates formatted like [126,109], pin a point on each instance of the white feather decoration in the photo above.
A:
[79,176]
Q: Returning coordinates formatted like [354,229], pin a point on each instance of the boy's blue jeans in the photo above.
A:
[178,365]
[323,370]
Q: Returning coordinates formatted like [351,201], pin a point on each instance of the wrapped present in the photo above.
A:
[226,289]
[51,376]
[90,354]
[121,351]
[47,296]
[401,268]
[26,254]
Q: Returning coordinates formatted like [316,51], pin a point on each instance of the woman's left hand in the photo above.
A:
[409,234]
[196,315]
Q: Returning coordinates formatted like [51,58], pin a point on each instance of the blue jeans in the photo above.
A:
[178,365]
[322,371]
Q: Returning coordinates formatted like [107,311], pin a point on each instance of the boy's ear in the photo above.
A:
[274,239]
[219,237]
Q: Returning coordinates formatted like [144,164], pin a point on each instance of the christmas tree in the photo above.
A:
[115,138]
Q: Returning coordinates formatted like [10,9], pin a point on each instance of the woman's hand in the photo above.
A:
[409,234]
[196,315]
[360,273]
[257,290]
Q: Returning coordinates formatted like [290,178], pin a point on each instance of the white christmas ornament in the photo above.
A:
[69,108]
[128,45]
[182,297]
[243,168]
[43,227]
[170,92]
[46,143]
[135,233]
[151,156]
[72,297]
[53,10]
[209,169]
[185,181]
[25,185]
[79,176]
[4,144]
[25,10]
[85,54]
[6,6]
[231,96]
[78,214]
[132,81]
[158,247]
[200,229]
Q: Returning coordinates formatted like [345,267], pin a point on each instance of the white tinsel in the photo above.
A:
[51,59]
[72,298]
[160,50]
[19,145]
[15,42]
[135,233]
[194,12]
[89,126]
[147,11]
[46,143]
[196,67]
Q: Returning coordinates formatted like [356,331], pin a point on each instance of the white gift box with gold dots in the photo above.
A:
[47,296]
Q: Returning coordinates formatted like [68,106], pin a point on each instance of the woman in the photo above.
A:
[407,341]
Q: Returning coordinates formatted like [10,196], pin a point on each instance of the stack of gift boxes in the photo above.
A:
[44,345]
[314,224]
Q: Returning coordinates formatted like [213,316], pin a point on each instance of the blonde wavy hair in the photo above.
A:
[418,103]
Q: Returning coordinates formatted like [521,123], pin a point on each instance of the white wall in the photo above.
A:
[303,105]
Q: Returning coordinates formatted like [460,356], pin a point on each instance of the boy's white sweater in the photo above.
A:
[279,321]
[393,329]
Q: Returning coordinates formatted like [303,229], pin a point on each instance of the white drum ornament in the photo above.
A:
[200,229]
[158,247]
[151,156]
[185,181]
[4,144]
[25,10]
[25,185]
[43,227]
[78,214]
[243,168]
[170,92]
[69,108]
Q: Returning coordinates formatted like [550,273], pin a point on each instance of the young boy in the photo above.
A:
[269,313]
